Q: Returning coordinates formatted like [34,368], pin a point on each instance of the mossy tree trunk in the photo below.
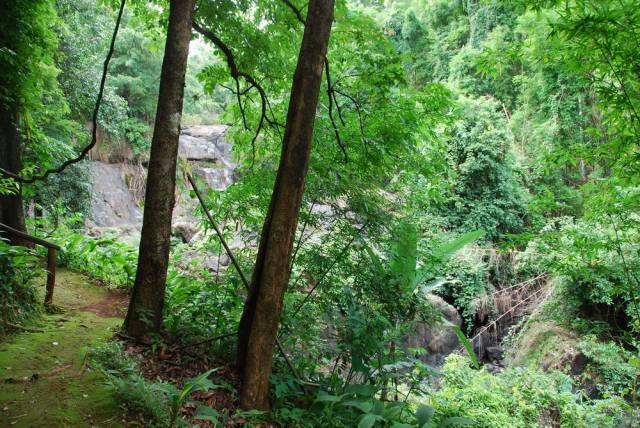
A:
[147,300]
[262,310]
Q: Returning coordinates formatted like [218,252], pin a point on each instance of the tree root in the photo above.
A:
[19,327]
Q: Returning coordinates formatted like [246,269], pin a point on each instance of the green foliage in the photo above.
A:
[358,405]
[596,264]
[390,300]
[110,358]
[522,398]
[486,191]
[611,366]
[8,186]
[150,401]
[463,115]
[19,269]
[66,194]
[105,259]
[157,403]
[27,56]
[464,282]
[201,302]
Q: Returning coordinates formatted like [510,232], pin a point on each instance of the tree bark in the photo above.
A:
[261,315]
[11,206]
[147,300]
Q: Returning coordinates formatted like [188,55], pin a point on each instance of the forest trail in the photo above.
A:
[44,380]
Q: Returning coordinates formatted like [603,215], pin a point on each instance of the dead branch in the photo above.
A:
[211,339]
[19,327]
[238,269]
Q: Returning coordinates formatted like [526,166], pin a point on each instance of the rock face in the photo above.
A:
[438,340]
[114,205]
[204,143]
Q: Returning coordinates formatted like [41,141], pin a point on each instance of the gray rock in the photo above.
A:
[113,203]
[217,178]
[205,143]
[438,340]
[494,354]
[185,230]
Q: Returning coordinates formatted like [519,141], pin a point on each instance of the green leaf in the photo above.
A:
[323,397]
[364,406]
[368,420]
[424,414]
[447,249]
[361,390]
[468,346]
[375,260]
[206,413]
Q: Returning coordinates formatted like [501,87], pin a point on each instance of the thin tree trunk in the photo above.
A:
[261,315]
[11,206]
[147,300]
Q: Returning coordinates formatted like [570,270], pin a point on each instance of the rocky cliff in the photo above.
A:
[118,188]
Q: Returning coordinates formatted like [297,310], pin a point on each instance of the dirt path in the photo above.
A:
[44,381]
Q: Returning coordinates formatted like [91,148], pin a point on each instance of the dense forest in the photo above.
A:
[360,213]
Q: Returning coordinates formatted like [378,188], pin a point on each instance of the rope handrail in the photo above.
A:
[494,322]
[523,283]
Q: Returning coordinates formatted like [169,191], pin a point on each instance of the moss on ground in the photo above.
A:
[45,381]
[545,345]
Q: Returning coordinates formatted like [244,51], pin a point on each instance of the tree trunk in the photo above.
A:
[147,300]
[11,206]
[261,315]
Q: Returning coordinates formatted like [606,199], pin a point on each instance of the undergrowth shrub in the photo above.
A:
[597,268]
[200,302]
[614,368]
[152,401]
[550,339]
[18,270]
[105,259]
[465,283]
[355,405]
[159,403]
[523,397]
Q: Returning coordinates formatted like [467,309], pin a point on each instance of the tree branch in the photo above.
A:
[236,74]
[295,10]
[333,122]
[330,90]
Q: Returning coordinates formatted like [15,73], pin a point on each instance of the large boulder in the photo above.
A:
[206,146]
[438,340]
[205,143]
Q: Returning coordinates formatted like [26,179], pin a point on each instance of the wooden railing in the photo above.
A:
[51,257]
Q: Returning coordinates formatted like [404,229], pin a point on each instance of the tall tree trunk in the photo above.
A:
[261,315]
[147,300]
[11,206]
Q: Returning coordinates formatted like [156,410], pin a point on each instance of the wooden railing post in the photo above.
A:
[51,275]
[51,258]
